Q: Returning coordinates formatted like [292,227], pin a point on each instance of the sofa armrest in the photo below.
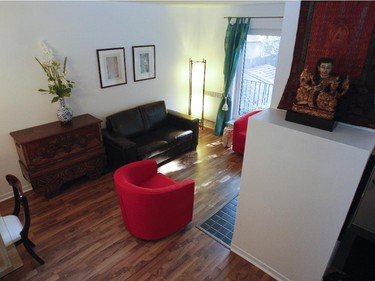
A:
[120,150]
[184,122]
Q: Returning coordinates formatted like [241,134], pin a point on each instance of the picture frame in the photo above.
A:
[144,66]
[112,67]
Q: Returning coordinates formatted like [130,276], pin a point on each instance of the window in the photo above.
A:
[256,69]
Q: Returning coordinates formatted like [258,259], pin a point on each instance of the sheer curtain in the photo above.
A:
[235,38]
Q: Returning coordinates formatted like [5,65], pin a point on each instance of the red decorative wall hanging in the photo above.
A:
[344,31]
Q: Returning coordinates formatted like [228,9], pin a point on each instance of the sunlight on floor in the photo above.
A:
[206,183]
[212,156]
[176,165]
[224,179]
[170,167]
[216,143]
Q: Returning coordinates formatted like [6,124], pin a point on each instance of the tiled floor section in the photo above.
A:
[220,225]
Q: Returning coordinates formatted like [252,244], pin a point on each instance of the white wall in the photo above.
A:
[296,192]
[287,41]
[77,30]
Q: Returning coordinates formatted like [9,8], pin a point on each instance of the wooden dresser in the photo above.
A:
[52,154]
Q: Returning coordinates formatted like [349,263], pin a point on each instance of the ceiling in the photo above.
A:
[204,3]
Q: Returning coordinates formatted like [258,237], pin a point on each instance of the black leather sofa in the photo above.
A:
[148,131]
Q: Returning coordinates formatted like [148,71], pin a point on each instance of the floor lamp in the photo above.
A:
[197,77]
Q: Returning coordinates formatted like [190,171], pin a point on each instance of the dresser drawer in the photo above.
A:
[56,148]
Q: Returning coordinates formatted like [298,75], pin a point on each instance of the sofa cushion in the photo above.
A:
[127,123]
[154,115]
[173,136]
[149,146]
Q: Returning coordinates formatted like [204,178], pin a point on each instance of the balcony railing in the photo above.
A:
[254,95]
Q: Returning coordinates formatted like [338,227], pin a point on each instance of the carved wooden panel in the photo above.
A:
[52,154]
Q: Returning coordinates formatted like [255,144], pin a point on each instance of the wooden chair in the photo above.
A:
[12,230]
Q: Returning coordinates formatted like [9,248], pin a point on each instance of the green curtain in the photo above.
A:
[234,43]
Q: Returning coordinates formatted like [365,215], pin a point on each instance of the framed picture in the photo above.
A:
[144,62]
[112,71]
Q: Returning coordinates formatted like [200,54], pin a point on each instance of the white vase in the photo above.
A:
[64,113]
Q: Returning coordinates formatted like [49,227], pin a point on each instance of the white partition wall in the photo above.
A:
[297,185]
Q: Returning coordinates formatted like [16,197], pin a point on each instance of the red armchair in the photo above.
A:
[153,206]
[239,132]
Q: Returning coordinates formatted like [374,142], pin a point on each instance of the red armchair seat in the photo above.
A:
[239,132]
[153,206]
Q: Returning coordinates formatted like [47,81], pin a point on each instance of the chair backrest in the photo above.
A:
[136,172]
[19,200]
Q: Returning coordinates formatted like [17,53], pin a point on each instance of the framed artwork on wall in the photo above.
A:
[112,70]
[144,62]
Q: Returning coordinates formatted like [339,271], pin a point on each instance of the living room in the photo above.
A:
[77,29]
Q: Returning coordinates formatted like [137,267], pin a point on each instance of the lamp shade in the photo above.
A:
[197,72]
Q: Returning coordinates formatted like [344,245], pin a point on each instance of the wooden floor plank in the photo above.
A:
[81,236]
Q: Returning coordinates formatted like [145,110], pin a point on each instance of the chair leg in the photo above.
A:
[26,243]
[31,243]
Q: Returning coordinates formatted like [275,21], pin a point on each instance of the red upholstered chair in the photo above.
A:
[153,206]
[239,132]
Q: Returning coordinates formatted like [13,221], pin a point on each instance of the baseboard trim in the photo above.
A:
[9,194]
[270,271]
[209,124]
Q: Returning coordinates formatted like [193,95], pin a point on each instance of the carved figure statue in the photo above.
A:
[318,93]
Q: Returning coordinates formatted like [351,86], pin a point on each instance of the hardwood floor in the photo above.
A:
[81,236]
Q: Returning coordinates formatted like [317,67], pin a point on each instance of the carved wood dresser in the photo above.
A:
[52,154]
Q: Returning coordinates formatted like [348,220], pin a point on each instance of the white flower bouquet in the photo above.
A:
[58,84]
